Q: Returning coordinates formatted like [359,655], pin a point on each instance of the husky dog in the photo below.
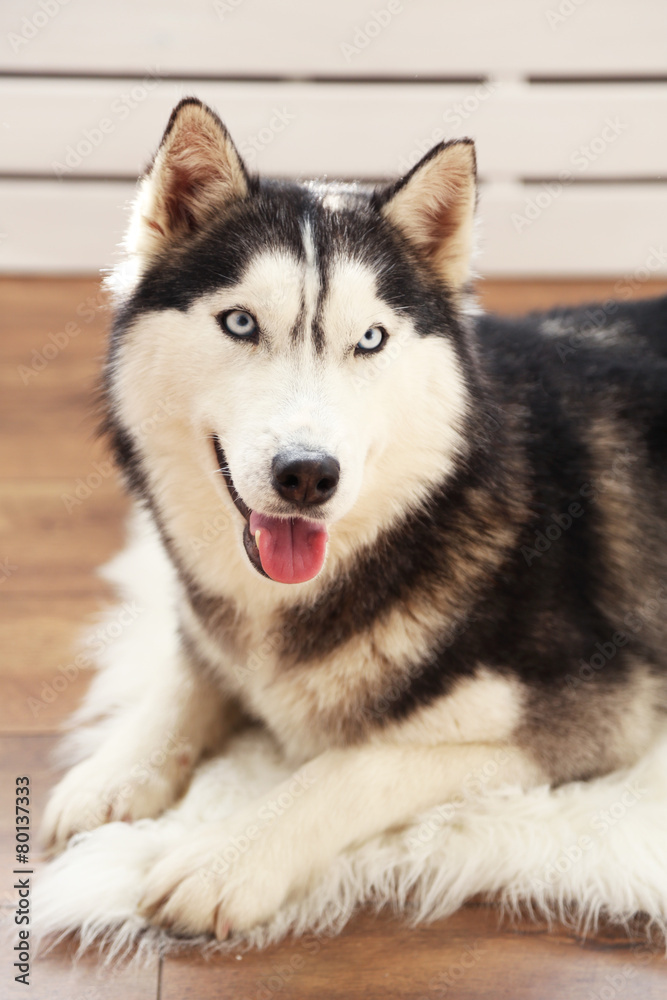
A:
[434,539]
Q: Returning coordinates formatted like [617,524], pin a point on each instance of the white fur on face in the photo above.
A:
[391,419]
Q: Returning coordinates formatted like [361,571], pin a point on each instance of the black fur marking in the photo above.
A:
[317,327]
[298,328]
[541,621]
[534,617]
[538,616]
[272,217]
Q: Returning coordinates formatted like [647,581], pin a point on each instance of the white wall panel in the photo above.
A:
[76,226]
[298,38]
[111,127]
[343,88]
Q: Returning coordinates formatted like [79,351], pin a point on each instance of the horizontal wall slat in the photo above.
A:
[552,229]
[51,227]
[108,128]
[300,38]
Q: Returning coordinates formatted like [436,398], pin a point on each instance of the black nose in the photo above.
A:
[305,477]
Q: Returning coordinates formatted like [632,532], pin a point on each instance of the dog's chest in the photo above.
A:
[332,697]
[309,706]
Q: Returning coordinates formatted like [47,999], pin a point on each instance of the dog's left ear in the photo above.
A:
[434,207]
[195,172]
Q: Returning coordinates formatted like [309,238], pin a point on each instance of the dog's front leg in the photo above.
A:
[235,875]
[146,758]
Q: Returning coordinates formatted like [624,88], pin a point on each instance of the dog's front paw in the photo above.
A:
[217,884]
[106,788]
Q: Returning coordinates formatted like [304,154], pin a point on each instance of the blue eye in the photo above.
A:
[238,323]
[373,340]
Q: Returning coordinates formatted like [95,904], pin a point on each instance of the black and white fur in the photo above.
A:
[450,620]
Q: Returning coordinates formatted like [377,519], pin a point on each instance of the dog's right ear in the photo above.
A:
[434,207]
[195,170]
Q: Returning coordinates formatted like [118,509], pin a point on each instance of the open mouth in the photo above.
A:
[284,549]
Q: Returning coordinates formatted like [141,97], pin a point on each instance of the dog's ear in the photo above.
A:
[434,207]
[196,169]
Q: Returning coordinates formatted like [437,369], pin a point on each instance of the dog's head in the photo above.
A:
[289,353]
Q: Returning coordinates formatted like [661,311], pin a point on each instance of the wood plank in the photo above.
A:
[467,956]
[53,539]
[29,756]
[52,347]
[293,39]
[57,978]
[75,227]
[46,670]
[87,127]
[53,977]
[592,230]
[31,306]
[55,436]
[515,297]
[52,228]
[24,299]
[60,506]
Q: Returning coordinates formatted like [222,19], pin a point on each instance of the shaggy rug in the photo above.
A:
[583,852]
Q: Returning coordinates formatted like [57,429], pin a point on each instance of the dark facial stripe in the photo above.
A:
[298,330]
[317,328]
[321,228]
[321,262]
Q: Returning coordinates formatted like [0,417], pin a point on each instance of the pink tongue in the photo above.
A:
[291,551]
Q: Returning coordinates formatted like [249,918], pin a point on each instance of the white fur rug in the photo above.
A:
[577,854]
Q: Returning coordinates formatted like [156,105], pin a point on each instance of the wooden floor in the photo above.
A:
[50,544]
